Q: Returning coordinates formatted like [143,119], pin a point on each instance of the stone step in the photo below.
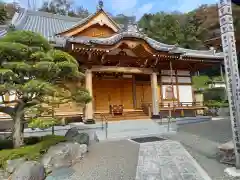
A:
[123,116]
[117,118]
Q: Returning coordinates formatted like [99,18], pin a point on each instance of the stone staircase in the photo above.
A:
[128,115]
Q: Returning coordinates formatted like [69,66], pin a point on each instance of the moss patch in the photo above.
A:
[30,152]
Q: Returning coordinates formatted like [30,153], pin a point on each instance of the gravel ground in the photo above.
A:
[217,131]
[114,160]
[201,141]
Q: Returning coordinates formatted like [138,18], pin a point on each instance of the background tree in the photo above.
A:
[80,12]
[31,69]
[162,27]
[64,7]
[122,19]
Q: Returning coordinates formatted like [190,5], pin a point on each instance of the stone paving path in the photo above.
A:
[167,160]
[128,160]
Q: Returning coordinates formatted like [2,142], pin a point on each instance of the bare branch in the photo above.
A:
[32,103]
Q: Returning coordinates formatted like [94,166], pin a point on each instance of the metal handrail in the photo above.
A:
[104,118]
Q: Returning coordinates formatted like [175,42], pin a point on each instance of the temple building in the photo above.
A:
[128,74]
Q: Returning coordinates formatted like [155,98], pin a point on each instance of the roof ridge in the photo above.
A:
[196,51]
[84,20]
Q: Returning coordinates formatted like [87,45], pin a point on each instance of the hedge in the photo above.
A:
[30,152]
[215,94]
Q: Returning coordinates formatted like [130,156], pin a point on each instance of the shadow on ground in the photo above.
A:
[201,141]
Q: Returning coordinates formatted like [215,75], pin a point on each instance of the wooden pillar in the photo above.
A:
[155,103]
[182,113]
[89,106]
[171,75]
[134,92]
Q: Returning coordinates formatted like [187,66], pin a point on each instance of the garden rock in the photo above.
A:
[82,128]
[82,138]
[226,152]
[14,164]
[29,170]
[3,175]
[93,138]
[61,174]
[83,148]
[62,155]
[71,133]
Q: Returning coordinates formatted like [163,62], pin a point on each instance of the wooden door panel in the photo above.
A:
[100,95]
[114,89]
[127,94]
[139,95]
[147,93]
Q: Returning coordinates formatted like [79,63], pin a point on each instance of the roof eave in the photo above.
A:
[87,19]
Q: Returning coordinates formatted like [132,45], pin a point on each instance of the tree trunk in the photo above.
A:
[17,132]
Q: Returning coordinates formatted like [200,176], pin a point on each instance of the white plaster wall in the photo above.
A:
[184,79]
[185,93]
[167,72]
[167,79]
[183,73]
[220,85]
[12,96]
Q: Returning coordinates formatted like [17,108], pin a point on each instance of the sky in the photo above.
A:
[134,7]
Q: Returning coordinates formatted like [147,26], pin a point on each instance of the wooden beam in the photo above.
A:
[131,70]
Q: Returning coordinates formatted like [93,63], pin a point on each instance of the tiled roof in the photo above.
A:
[201,53]
[46,24]
[116,38]
[49,25]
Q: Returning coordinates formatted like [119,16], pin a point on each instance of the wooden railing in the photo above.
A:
[148,106]
[180,104]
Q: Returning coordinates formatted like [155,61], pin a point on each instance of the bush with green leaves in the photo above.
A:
[216,104]
[200,82]
[30,152]
[43,123]
[31,70]
[215,94]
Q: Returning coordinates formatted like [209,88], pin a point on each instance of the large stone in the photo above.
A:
[226,153]
[14,164]
[93,138]
[228,146]
[81,134]
[29,170]
[61,174]
[62,155]
[83,148]
[3,175]
[82,138]
[71,133]
[83,128]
